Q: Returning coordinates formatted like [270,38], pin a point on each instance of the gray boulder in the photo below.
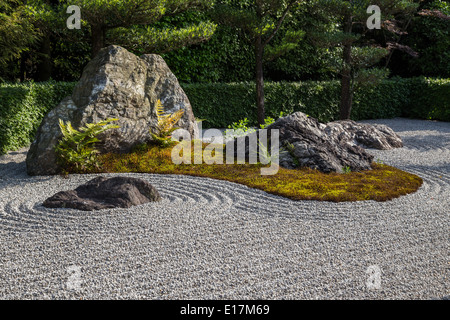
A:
[374,136]
[102,193]
[326,147]
[115,84]
[309,145]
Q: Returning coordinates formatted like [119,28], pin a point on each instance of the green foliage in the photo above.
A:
[267,122]
[165,126]
[242,128]
[429,35]
[387,100]
[151,39]
[358,51]
[225,103]
[226,57]
[429,99]
[22,107]
[346,170]
[238,129]
[261,22]
[229,55]
[17,33]
[117,16]
[76,150]
[270,155]
[240,125]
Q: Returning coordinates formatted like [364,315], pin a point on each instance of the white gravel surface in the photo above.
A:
[211,239]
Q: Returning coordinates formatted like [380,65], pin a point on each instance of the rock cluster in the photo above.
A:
[327,147]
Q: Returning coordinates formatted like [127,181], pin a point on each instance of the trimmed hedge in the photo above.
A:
[22,106]
[428,99]
[224,103]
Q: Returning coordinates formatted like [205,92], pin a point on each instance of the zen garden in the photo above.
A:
[222,149]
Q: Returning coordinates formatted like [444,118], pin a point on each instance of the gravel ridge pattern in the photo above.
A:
[210,239]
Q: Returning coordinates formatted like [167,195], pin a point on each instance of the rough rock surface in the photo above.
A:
[115,84]
[102,193]
[326,147]
[312,147]
[375,136]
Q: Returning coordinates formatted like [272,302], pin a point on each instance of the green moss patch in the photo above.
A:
[382,183]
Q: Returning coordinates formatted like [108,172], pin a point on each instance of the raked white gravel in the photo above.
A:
[211,239]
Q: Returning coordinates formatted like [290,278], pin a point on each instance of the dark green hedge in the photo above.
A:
[222,104]
[429,99]
[22,106]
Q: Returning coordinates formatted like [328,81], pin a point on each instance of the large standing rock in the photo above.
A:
[325,147]
[102,193]
[115,84]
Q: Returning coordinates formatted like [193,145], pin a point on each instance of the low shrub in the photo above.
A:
[76,150]
[165,126]
[224,103]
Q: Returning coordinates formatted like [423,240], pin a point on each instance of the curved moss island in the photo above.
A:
[382,183]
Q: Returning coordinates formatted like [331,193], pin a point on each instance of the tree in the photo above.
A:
[358,51]
[261,21]
[429,35]
[39,26]
[46,17]
[17,32]
[120,20]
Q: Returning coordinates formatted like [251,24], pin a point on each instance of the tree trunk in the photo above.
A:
[346,80]
[259,51]
[23,67]
[44,69]
[346,88]
[98,39]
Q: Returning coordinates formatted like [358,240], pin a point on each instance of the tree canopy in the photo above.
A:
[261,21]
[17,33]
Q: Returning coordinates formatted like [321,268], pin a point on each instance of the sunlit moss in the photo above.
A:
[381,183]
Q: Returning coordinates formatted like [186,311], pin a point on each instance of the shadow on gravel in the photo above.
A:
[405,124]
[428,142]
[15,173]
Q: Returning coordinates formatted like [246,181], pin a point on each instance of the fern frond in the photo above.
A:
[76,148]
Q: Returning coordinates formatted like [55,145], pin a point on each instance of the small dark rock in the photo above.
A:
[102,193]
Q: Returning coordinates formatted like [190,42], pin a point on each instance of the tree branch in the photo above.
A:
[280,22]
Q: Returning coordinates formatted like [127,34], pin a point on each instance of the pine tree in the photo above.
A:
[17,33]
[118,22]
[261,21]
[358,53]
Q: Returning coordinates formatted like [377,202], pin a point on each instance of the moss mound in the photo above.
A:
[382,183]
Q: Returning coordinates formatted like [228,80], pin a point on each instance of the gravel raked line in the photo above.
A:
[211,239]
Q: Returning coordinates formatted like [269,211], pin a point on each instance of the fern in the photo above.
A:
[346,170]
[76,150]
[165,125]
